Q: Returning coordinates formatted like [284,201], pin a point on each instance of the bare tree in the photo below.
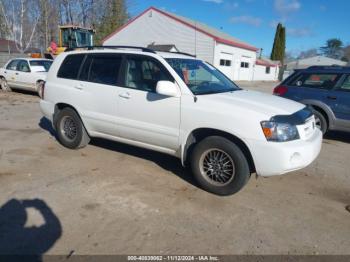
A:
[48,24]
[21,19]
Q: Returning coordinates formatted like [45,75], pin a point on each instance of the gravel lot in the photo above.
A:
[110,198]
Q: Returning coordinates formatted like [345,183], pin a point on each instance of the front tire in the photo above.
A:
[4,85]
[70,130]
[219,166]
[321,122]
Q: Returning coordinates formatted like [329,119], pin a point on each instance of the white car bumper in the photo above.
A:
[277,158]
[47,108]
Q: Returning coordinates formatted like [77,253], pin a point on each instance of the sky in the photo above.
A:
[309,23]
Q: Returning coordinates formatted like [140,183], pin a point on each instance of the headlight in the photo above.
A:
[279,132]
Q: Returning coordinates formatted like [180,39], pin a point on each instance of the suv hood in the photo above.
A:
[266,104]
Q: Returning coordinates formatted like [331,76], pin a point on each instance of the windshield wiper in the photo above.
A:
[214,92]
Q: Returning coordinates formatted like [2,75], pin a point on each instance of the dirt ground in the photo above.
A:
[109,198]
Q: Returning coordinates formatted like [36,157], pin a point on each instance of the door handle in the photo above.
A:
[79,87]
[16,73]
[5,72]
[332,97]
[125,95]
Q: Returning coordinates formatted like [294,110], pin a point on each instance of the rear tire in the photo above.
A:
[70,130]
[219,166]
[39,89]
[4,85]
[321,122]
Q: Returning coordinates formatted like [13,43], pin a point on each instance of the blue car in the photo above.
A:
[326,90]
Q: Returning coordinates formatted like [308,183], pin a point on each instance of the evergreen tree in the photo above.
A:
[115,16]
[279,46]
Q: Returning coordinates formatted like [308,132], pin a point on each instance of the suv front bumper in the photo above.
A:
[47,108]
[277,158]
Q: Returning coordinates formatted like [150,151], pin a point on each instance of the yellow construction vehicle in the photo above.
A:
[71,36]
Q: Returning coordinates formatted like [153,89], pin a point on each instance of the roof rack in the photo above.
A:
[328,67]
[143,49]
[179,53]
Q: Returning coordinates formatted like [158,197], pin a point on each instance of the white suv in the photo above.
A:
[176,104]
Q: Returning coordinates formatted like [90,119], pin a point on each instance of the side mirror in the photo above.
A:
[299,83]
[167,88]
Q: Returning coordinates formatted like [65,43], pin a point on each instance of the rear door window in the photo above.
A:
[101,69]
[70,67]
[317,80]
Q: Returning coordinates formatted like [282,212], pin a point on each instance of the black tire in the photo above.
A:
[39,89]
[218,144]
[4,85]
[70,130]
[321,122]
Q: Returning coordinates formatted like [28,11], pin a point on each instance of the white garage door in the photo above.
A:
[226,64]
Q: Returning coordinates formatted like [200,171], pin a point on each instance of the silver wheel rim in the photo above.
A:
[39,88]
[68,128]
[3,84]
[318,123]
[217,167]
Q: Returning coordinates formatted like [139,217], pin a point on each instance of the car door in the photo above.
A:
[23,76]
[339,101]
[10,72]
[144,115]
[97,88]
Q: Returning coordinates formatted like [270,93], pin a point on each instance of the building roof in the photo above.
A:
[217,35]
[8,45]
[314,61]
[163,48]
[267,62]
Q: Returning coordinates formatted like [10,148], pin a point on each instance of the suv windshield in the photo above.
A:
[201,77]
[42,63]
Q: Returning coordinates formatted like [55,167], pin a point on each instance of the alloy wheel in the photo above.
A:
[217,167]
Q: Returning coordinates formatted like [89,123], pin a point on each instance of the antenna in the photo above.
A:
[195,38]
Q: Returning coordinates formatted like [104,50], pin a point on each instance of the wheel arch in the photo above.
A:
[324,109]
[197,135]
[60,106]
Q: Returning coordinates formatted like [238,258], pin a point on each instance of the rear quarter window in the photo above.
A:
[316,80]
[70,67]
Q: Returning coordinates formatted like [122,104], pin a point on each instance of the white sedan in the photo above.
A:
[24,73]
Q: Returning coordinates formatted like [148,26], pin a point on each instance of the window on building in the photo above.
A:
[244,64]
[267,70]
[224,62]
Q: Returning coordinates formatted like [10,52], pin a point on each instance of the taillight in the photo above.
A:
[280,90]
